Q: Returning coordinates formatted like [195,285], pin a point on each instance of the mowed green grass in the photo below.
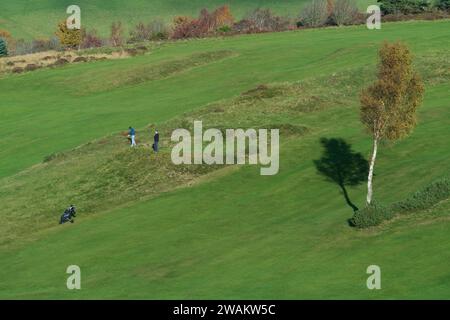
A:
[241,235]
[34,19]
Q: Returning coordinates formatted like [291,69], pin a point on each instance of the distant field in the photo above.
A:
[149,230]
[34,19]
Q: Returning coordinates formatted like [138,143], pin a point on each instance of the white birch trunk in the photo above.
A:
[372,165]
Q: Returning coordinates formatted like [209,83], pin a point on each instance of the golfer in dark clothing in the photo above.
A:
[155,141]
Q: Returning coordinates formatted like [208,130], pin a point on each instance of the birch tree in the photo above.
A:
[388,106]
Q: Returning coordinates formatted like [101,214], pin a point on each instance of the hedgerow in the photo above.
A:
[425,198]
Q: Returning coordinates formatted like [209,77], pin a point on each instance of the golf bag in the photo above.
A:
[68,215]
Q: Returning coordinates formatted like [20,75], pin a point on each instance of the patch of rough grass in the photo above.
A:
[54,59]
[282,101]
[434,66]
[94,81]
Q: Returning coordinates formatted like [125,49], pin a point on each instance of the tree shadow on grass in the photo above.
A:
[341,165]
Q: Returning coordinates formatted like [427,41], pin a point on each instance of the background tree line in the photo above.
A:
[221,21]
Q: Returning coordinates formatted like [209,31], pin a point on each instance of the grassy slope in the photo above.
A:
[246,236]
[43,112]
[27,18]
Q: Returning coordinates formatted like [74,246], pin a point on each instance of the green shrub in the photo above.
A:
[443,5]
[404,6]
[371,215]
[224,29]
[3,48]
[425,198]
[160,36]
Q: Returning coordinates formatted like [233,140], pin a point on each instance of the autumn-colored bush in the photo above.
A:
[70,38]
[208,23]
[219,18]
[186,27]
[9,41]
[90,39]
[261,20]
[223,17]
[5,35]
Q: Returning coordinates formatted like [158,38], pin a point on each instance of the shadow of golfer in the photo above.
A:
[341,165]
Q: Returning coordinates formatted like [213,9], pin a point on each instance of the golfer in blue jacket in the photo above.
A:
[132,134]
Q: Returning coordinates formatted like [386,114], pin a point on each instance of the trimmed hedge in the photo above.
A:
[425,198]
[371,215]
[374,214]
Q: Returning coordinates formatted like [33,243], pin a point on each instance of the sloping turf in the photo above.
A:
[237,234]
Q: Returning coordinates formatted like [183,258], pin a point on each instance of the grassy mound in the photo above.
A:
[94,81]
